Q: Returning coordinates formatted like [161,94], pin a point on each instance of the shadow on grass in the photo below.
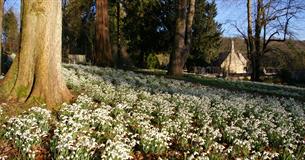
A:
[236,85]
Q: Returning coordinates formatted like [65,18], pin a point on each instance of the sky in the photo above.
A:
[14,4]
[229,14]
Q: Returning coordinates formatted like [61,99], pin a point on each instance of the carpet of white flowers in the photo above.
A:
[124,115]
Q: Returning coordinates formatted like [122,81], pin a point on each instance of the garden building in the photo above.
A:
[232,62]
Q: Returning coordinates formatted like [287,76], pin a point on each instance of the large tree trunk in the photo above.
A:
[175,64]
[102,55]
[182,38]
[1,28]
[35,76]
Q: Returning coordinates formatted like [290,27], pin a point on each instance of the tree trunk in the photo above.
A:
[175,65]
[124,57]
[250,32]
[35,76]
[122,53]
[252,45]
[183,37]
[189,30]
[102,55]
[118,19]
[257,41]
[254,68]
[1,29]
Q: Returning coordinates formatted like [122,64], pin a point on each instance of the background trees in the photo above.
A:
[206,34]
[149,27]
[11,32]
[78,27]
[139,30]
[268,21]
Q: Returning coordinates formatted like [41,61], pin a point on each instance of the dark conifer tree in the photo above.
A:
[207,34]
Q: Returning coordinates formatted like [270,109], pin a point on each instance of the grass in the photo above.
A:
[236,85]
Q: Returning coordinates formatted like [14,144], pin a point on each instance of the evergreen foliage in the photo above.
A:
[149,27]
[11,32]
[78,26]
[206,34]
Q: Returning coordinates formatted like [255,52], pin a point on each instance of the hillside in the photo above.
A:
[123,115]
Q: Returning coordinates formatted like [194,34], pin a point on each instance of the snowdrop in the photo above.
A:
[203,116]
[28,130]
[120,112]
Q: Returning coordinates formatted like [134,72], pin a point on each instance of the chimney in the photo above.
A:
[232,46]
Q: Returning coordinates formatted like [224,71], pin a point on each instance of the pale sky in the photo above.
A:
[14,4]
[235,13]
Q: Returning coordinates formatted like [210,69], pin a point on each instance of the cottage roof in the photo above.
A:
[224,55]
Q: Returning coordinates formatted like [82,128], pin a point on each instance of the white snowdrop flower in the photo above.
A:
[3,157]
[1,111]
[153,111]
[28,129]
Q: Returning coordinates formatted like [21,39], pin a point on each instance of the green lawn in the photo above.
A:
[237,85]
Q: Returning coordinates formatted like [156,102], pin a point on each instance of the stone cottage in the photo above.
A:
[232,62]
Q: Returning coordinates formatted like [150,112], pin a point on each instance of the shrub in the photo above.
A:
[152,61]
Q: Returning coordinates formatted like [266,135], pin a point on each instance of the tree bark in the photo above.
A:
[118,18]
[35,76]
[183,37]
[122,53]
[257,41]
[189,25]
[276,15]
[1,29]
[103,54]
[252,42]
[250,32]
[175,65]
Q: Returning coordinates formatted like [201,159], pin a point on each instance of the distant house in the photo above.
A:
[77,59]
[232,62]
[163,59]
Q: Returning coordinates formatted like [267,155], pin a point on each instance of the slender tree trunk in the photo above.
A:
[183,37]
[250,48]
[35,76]
[102,55]
[118,19]
[250,32]
[189,30]
[142,61]
[257,68]
[1,29]
[122,53]
[257,41]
